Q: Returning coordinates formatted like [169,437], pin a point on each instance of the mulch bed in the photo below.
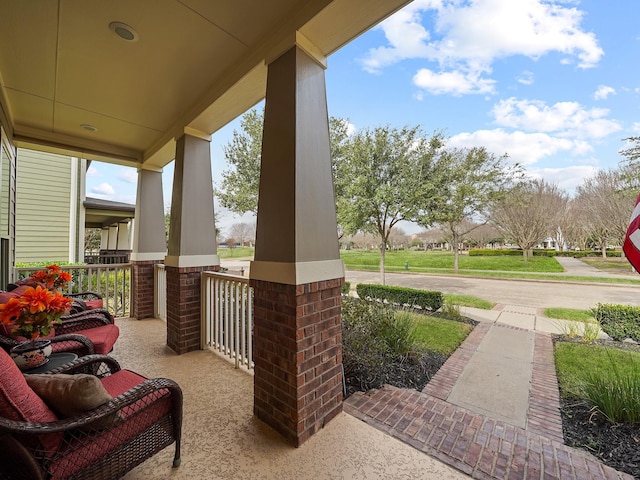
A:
[616,445]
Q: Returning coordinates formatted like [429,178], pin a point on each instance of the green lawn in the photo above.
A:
[574,314]
[239,252]
[439,334]
[576,362]
[468,301]
[421,261]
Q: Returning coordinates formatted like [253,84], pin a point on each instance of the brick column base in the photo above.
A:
[183,307]
[297,352]
[143,288]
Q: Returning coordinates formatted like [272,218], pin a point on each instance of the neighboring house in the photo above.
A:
[52,211]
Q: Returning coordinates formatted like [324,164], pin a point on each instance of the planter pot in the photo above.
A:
[31,354]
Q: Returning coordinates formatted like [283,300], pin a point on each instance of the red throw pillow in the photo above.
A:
[20,403]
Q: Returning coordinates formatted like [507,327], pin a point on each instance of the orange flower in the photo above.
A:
[37,299]
[10,311]
[60,303]
[52,277]
[34,312]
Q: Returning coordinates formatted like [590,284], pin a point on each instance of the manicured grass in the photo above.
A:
[576,363]
[489,274]
[418,261]
[468,301]
[440,334]
[574,314]
[609,264]
[239,252]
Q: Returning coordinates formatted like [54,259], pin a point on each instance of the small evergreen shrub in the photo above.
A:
[425,299]
[618,321]
[345,288]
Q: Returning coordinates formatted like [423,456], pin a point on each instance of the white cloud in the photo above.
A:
[567,119]
[455,82]
[128,175]
[92,171]
[103,189]
[636,127]
[567,178]
[351,129]
[468,36]
[523,148]
[525,78]
[603,92]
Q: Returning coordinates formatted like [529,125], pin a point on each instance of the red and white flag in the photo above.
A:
[631,245]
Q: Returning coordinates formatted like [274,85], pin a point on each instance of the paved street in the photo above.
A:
[516,292]
[538,293]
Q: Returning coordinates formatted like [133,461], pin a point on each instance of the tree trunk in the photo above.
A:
[603,248]
[383,250]
[526,254]
[456,252]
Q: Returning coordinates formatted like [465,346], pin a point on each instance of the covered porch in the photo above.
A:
[143,84]
[222,438]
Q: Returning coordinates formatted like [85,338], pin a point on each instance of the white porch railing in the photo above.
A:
[160,297]
[227,316]
[112,282]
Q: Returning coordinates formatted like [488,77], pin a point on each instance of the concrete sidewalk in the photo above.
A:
[493,410]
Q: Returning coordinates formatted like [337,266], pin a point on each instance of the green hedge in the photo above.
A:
[489,252]
[618,321]
[425,299]
[345,288]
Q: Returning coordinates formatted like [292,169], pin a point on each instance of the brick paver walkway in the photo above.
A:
[475,444]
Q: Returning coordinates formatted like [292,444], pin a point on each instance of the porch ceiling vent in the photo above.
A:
[124,31]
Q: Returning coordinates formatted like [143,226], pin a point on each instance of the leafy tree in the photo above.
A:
[529,213]
[92,238]
[384,176]
[474,179]
[240,183]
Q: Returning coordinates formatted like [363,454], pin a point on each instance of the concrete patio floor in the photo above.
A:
[223,440]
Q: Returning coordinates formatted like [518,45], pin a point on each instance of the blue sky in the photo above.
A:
[554,84]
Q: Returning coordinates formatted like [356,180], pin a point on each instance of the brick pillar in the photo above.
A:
[183,307]
[297,351]
[143,288]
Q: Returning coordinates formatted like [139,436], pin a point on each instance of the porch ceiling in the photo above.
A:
[195,66]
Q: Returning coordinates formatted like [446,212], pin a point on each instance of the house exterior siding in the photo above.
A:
[44,195]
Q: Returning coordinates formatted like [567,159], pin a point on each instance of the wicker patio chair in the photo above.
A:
[83,333]
[143,417]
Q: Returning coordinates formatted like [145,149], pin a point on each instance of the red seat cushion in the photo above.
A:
[18,402]
[92,304]
[136,419]
[103,338]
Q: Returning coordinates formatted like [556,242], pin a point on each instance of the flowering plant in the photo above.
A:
[52,277]
[34,312]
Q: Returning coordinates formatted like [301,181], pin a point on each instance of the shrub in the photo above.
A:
[537,252]
[615,395]
[378,347]
[345,288]
[425,299]
[618,321]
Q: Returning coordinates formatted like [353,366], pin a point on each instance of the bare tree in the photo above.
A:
[397,239]
[484,235]
[431,237]
[243,232]
[530,213]
[605,207]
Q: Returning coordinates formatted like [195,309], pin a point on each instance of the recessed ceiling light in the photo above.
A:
[89,127]
[124,31]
